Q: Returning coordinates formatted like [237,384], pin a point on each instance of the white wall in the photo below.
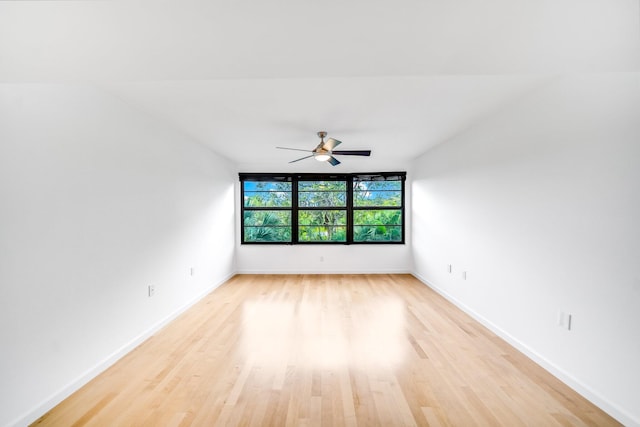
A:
[540,204]
[326,259]
[97,201]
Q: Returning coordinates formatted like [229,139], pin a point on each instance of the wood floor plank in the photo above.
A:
[325,350]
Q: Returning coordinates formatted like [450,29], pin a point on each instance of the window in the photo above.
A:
[322,211]
[310,208]
[266,213]
[377,210]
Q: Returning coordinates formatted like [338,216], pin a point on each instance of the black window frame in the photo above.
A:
[350,209]
[298,208]
[358,208]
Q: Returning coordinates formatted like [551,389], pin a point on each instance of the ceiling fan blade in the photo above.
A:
[352,152]
[295,149]
[301,158]
[333,161]
[331,144]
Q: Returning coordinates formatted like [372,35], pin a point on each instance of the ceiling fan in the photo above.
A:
[324,152]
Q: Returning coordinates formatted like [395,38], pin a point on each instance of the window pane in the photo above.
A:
[267,234]
[377,217]
[322,186]
[377,225]
[267,226]
[318,199]
[267,194]
[323,217]
[322,233]
[377,193]
[377,233]
[267,186]
[322,225]
[377,198]
[377,185]
[322,194]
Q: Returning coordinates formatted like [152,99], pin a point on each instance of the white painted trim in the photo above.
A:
[323,272]
[587,392]
[103,365]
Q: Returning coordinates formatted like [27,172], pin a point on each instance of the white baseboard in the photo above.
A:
[587,392]
[323,272]
[100,367]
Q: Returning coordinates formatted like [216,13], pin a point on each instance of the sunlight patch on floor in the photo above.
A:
[323,336]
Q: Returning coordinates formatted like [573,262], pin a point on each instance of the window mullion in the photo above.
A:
[242,214]
[349,210]
[294,210]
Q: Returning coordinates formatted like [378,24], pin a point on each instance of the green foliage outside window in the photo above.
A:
[322,194]
[267,225]
[377,225]
[267,194]
[326,225]
[377,193]
[322,225]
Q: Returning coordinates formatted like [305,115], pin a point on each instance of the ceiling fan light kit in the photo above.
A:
[324,152]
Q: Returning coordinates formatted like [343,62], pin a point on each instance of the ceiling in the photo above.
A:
[244,76]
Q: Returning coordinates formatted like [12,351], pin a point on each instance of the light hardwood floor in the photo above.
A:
[326,350]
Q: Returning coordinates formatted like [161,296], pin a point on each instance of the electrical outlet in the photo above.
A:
[321,258]
[564,320]
[191,271]
[450,268]
[464,275]
[152,290]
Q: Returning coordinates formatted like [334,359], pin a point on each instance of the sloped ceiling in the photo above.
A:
[245,76]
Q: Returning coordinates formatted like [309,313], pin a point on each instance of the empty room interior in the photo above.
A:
[320,213]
